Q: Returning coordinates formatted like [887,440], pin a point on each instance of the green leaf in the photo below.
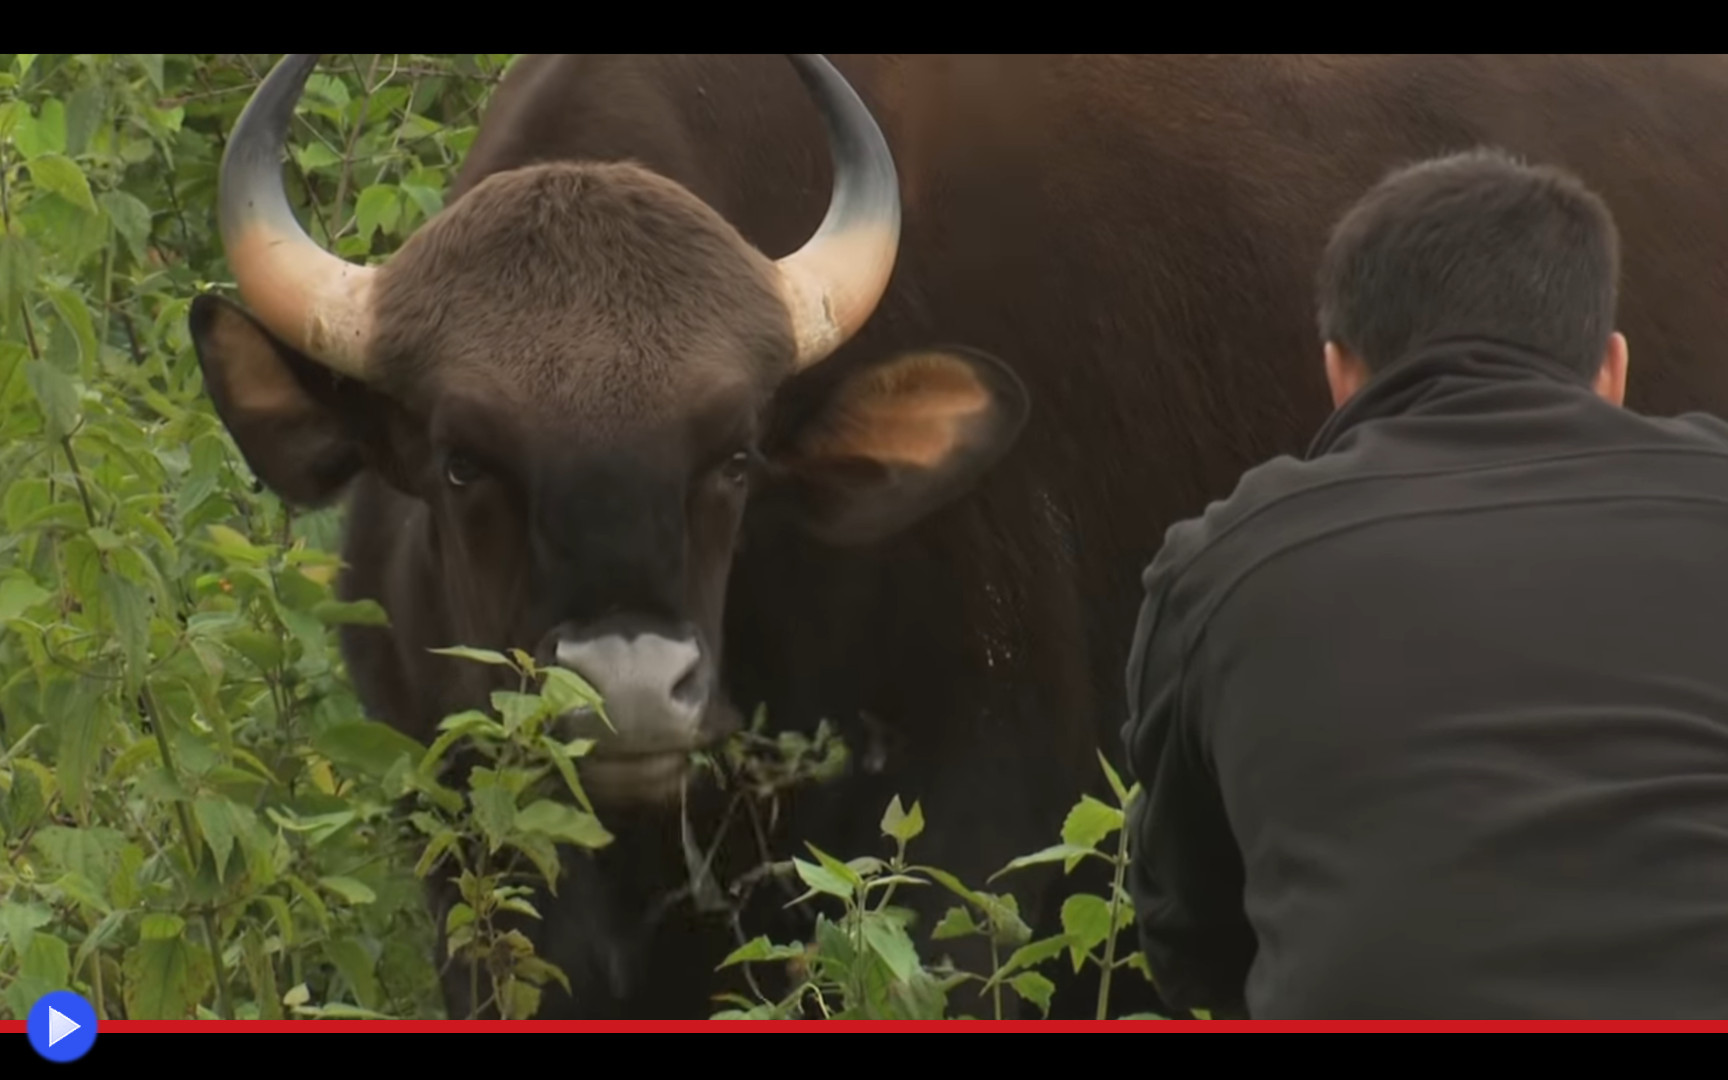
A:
[760,949]
[1110,774]
[379,207]
[822,880]
[565,690]
[495,812]
[19,923]
[1086,922]
[1068,853]
[484,656]
[356,966]
[350,613]
[48,960]
[58,395]
[18,595]
[1089,822]
[366,746]
[152,65]
[61,175]
[517,709]
[217,821]
[900,825]
[160,926]
[1034,988]
[887,939]
[165,978]
[1035,953]
[561,761]
[557,821]
[957,923]
[355,892]
[130,611]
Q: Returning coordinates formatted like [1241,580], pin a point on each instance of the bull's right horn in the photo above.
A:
[834,282]
[309,298]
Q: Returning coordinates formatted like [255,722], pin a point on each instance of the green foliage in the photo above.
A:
[196,819]
[866,965]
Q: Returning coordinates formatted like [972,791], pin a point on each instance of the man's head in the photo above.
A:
[1479,245]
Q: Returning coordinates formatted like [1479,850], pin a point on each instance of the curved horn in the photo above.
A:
[309,298]
[834,282]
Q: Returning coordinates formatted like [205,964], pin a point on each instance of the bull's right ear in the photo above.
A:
[301,427]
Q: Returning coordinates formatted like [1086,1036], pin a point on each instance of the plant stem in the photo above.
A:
[147,702]
[1109,967]
[996,966]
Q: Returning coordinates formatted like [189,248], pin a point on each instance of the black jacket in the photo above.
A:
[1434,724]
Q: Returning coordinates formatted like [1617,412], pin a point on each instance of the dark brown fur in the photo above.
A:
[1136,236]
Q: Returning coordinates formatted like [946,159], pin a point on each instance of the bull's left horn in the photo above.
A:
[309,298]
[834,282]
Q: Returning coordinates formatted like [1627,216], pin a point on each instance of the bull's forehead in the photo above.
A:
[601,295]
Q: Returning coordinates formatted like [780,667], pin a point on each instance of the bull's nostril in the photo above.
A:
[689,685]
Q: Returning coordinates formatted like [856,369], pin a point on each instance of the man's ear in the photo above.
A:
[896,439]
[303,429]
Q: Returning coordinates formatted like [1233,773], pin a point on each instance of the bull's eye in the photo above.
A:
[736,470]
[460,469]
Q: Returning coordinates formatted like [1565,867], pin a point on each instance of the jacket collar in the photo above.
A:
[1444,375]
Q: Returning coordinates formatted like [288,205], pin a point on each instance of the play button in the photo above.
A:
[62,1026]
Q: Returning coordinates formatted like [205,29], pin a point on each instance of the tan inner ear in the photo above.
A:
[255,378]
[910,411]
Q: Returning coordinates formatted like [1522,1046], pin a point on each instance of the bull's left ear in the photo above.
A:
[896,439]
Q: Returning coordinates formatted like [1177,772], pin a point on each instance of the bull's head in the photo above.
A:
[569,370]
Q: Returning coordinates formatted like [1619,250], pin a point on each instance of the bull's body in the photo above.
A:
[1135,236]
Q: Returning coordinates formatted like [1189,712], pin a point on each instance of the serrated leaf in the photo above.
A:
[366,746]
[821,879]
[1089,822]
[130,611]
[1086,923]
[57,394]
[495,812]
[566,690]
[563,823]
[1032,954]
[958,922]
[165,979]
[19,923]
[61,175]
[216,820]
[379,207]
[1068,853]
[1034,988]
[888,940]
[760,949]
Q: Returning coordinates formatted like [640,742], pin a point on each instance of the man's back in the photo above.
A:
[1464,683]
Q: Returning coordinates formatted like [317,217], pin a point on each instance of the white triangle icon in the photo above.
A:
[59,1025]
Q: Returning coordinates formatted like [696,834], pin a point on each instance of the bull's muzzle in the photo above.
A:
[657,685]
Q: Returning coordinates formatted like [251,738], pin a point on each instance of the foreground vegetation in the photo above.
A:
[196,818]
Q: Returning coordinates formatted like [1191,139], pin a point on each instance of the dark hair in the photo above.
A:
[1476,244]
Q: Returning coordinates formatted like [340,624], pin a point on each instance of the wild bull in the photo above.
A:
[702,392]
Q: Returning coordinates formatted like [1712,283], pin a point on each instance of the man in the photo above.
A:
[1434,723]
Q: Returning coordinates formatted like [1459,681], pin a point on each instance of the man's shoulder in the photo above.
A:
[1261,495]
[1699,428]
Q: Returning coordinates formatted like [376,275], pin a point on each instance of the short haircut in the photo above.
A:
[1476,244]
